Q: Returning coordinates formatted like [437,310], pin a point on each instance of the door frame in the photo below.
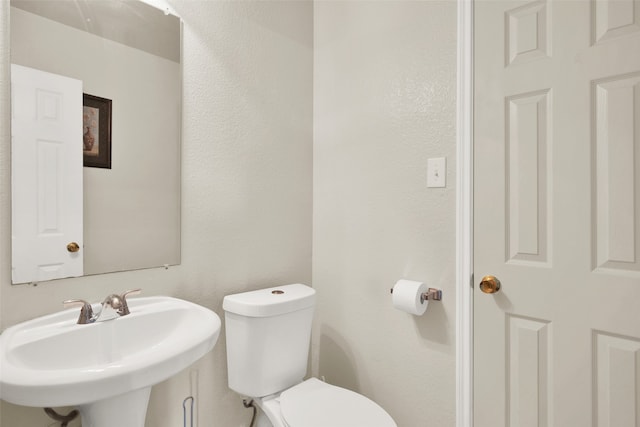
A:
[464,215]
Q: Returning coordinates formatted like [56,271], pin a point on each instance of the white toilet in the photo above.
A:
[268,333]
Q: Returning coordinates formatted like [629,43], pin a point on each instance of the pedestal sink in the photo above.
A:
[105,369]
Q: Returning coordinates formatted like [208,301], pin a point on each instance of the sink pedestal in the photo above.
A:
[125,410]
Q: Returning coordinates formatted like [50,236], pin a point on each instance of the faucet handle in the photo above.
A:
[86,312]
[124,308]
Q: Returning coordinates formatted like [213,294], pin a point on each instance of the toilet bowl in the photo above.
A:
[314,403]
[268,333]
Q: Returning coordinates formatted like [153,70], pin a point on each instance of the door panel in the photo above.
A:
[616,102]
[557,213]
[46,130]
[527,136]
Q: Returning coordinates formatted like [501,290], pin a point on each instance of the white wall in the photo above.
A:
[383,78]
[246,186]
[384,102]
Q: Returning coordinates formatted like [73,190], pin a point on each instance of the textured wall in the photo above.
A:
[246,186]
[384,102]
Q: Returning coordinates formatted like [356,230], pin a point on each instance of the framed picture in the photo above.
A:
[96,131]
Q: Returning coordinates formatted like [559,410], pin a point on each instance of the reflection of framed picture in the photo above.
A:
[96,131]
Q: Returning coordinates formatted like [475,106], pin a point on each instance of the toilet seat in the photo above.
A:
[314,403]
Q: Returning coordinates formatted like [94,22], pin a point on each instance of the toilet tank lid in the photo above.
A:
[271,301]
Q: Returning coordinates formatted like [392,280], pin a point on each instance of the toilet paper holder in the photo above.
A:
[432,294]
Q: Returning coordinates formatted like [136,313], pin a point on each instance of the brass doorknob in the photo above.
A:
[73,247]
[490,284]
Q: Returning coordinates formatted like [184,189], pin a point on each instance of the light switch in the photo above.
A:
[437,172]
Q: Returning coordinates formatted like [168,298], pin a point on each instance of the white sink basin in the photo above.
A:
[52,361]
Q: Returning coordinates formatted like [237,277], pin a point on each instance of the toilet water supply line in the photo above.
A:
[64,419]
[248,403]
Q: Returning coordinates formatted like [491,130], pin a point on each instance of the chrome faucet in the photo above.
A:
[113,306]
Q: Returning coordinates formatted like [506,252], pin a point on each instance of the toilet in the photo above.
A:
[268,332]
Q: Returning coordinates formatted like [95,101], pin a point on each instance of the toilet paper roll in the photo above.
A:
[406,296]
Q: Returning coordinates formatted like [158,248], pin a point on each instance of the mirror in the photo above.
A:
[127,53]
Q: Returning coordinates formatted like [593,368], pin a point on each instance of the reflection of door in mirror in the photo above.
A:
[47,193]
[126,52]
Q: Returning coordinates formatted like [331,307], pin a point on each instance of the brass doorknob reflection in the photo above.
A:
[490,284]
[73,247]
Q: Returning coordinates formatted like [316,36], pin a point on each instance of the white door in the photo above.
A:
[557,213]
[46,153]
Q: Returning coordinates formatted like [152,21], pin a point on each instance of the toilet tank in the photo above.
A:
[268,332]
